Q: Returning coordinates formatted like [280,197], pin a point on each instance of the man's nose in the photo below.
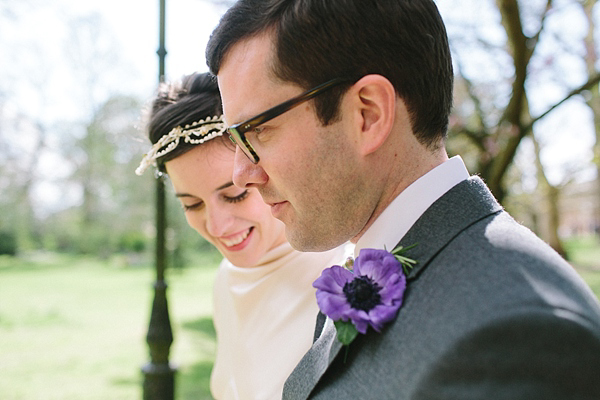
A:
[246,174]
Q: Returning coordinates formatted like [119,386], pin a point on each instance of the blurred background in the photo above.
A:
[77,227]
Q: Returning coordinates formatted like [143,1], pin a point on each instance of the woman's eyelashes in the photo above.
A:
[228,199]
[238,198]
[192,207]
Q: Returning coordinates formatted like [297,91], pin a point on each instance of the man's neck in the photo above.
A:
[404,210]
[400,180]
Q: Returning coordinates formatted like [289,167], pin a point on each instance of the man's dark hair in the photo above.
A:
[317,40]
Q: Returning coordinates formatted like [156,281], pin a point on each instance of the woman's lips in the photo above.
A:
[237,241]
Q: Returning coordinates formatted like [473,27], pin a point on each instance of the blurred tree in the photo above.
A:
[67,178]
[591,60]
[102,160]
[492,114]
[23,136]
[72,160]
[551,196]
[224,3]
[100,152]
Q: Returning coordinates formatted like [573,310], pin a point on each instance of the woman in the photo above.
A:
[264,303]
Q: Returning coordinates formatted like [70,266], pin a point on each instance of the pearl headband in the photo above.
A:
[194,133]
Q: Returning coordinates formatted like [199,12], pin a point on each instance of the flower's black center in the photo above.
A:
[362,293]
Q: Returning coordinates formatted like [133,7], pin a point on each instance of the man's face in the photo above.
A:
[305,173]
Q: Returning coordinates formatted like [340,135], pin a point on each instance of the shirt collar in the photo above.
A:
[408,206]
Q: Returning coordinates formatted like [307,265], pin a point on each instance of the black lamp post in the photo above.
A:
[159,375]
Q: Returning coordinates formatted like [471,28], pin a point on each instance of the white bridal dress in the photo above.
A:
[265,320]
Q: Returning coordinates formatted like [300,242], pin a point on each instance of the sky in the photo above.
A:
[38,48]
[128,28]
[38,73]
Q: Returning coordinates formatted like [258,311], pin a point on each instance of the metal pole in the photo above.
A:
[159,375]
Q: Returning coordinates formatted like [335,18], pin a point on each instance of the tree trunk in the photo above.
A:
[591,58]
[551,195]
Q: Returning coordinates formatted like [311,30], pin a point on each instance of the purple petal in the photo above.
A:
[381,315]
[382,269]
[390,266]
[360,319]
[330,291]
[393,289]
[367,268]
[371,254]
[333,279]
[377,265]
[364,258]
[332,305]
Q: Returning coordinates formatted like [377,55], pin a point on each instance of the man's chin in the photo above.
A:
[303,240]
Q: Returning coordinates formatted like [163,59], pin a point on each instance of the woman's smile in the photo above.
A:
[238,240]
[234,219]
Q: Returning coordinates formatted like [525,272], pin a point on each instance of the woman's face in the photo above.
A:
[235,220]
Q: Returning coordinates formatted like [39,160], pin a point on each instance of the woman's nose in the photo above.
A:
[218,220]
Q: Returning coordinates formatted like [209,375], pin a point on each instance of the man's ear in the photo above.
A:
[375,108]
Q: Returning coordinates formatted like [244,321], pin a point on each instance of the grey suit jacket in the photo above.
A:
[490,312]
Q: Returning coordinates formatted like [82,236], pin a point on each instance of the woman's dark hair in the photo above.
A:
[193,98]
[317,40]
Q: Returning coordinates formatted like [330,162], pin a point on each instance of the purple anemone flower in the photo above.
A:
[371,294]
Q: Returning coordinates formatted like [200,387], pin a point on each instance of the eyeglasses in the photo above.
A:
[237,132]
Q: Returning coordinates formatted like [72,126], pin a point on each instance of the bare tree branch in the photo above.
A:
[535,38]
[474,98]
[476,137]
[517,41]
[593,81]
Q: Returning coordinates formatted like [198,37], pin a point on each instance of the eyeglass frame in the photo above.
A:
[237,132]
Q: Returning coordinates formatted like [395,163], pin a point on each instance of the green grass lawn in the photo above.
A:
[74,328]
[584,252]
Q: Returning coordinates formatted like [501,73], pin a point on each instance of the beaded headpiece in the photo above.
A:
[194,133]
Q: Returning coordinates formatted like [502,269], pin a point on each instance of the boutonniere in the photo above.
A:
[365,292]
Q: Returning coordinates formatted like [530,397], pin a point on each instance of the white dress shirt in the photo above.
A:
[408,206]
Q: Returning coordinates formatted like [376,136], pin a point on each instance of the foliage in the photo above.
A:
[112,208]
[8,243]
[73,327]
[504,76]
[135,242]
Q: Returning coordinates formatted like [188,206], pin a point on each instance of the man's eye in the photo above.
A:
[256,134]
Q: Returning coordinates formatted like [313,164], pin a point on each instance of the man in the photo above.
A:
[490,311]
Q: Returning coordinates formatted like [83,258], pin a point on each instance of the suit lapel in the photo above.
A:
[321,318]
[313,365]
[462,206]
